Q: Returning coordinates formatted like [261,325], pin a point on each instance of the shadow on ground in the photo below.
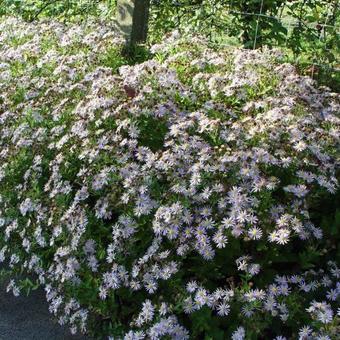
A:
[28,318]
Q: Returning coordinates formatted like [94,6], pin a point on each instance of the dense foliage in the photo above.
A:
[268,21]
[63,9]
[191,195]
[307,29]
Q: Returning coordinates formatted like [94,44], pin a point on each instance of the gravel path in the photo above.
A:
[28,318]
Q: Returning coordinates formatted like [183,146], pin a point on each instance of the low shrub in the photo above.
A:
[193,195]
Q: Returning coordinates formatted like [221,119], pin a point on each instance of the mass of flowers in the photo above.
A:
[178,198]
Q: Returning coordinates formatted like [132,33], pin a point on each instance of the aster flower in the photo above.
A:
[255,233]
[192,286]
[239,334]
[223,309]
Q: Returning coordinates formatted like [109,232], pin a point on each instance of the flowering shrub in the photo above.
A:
[179,198]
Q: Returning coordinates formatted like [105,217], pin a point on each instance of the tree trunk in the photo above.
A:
[132,19]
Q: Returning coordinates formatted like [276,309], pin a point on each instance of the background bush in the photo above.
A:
[63,9]
[307,30]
